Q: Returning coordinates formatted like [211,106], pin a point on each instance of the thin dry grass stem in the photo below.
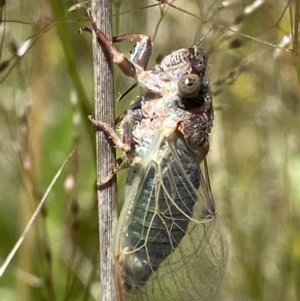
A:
[104,111]
[296,45]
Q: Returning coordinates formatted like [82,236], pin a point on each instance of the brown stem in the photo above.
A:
[104,111]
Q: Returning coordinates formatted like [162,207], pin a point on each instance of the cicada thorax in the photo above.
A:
[170,132]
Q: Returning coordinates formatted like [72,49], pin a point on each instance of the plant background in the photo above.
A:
[253,161]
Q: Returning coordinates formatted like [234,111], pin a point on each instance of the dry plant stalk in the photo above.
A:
[104,111]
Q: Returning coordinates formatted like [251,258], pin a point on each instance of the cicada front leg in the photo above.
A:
[139,58]
[142,50]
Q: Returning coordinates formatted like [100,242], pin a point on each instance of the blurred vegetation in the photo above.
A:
[46,94]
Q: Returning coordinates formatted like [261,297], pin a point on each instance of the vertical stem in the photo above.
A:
[104,111]
[296,46]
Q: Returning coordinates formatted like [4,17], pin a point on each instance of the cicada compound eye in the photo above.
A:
[189,85]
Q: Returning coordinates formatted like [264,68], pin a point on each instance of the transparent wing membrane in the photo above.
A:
[170,245]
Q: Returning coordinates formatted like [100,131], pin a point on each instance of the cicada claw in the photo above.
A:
[120,166]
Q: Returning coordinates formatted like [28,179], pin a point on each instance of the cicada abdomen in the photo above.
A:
[168,243]
[164,206]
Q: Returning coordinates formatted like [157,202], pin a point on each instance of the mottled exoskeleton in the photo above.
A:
[168,243]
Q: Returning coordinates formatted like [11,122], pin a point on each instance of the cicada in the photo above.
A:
[168,242]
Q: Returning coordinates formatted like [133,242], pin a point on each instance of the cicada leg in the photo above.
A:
[111,134]
[132,157]
[143,49]
[140,57]
[121,164]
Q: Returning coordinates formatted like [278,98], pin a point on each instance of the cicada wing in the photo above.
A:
[193,272]
[170,244]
